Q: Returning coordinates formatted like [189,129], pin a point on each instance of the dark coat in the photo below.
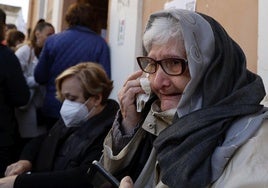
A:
[14,92]
[64,155]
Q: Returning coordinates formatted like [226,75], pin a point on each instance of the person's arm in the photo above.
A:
[73,178]
[31,149]
[25,55]
[125,136]
[17,90]
[19,167]
[7,182]
[249,165]
[119,137]
[42,69]
[27,157]
[127,119]
[64,179]
[127,99]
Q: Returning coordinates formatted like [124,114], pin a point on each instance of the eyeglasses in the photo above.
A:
[171,66]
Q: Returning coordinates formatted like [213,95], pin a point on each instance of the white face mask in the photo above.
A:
[74,113]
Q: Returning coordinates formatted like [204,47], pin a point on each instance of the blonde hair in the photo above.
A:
[93,78]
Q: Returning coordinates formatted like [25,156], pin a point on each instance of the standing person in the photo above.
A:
[61,158]
[218,136]
[76,44]
[29,116]
[8,27]
[14,39]
[13,93]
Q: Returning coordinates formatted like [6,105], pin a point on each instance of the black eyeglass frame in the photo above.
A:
[183,61]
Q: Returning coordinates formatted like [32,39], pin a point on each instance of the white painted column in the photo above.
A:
[57,15]
[262,67]
[125,23]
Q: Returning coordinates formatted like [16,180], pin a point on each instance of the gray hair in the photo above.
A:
[161,30]
[198,42]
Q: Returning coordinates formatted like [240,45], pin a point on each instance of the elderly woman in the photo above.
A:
[61,158]
[218,137]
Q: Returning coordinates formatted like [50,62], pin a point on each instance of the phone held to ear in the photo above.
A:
[101,178]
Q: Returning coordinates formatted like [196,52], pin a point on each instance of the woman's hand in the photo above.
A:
[127,98]
[7,182]
[18,168]
[126,182]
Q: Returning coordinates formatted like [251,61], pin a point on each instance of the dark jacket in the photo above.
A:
[63,156]
[63,50]
[14,92]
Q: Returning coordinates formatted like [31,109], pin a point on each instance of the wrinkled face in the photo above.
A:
[168,88]
[41,36]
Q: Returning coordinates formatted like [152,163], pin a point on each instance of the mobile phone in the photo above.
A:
[101,178]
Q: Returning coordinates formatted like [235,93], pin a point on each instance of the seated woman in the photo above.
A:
[62,157]
[203,130]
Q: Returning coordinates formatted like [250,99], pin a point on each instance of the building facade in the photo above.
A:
[122,22]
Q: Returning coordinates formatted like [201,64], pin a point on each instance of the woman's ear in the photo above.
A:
[97,99]
[37,33]
[94,101]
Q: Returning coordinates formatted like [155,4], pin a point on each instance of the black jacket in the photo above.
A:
[14,92]
[62,157]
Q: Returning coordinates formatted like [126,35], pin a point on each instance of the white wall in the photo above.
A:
[14,16]
[53,17]
[124,51]
[57,15]
[263,42]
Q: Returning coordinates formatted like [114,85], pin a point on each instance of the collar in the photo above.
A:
[156,120]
